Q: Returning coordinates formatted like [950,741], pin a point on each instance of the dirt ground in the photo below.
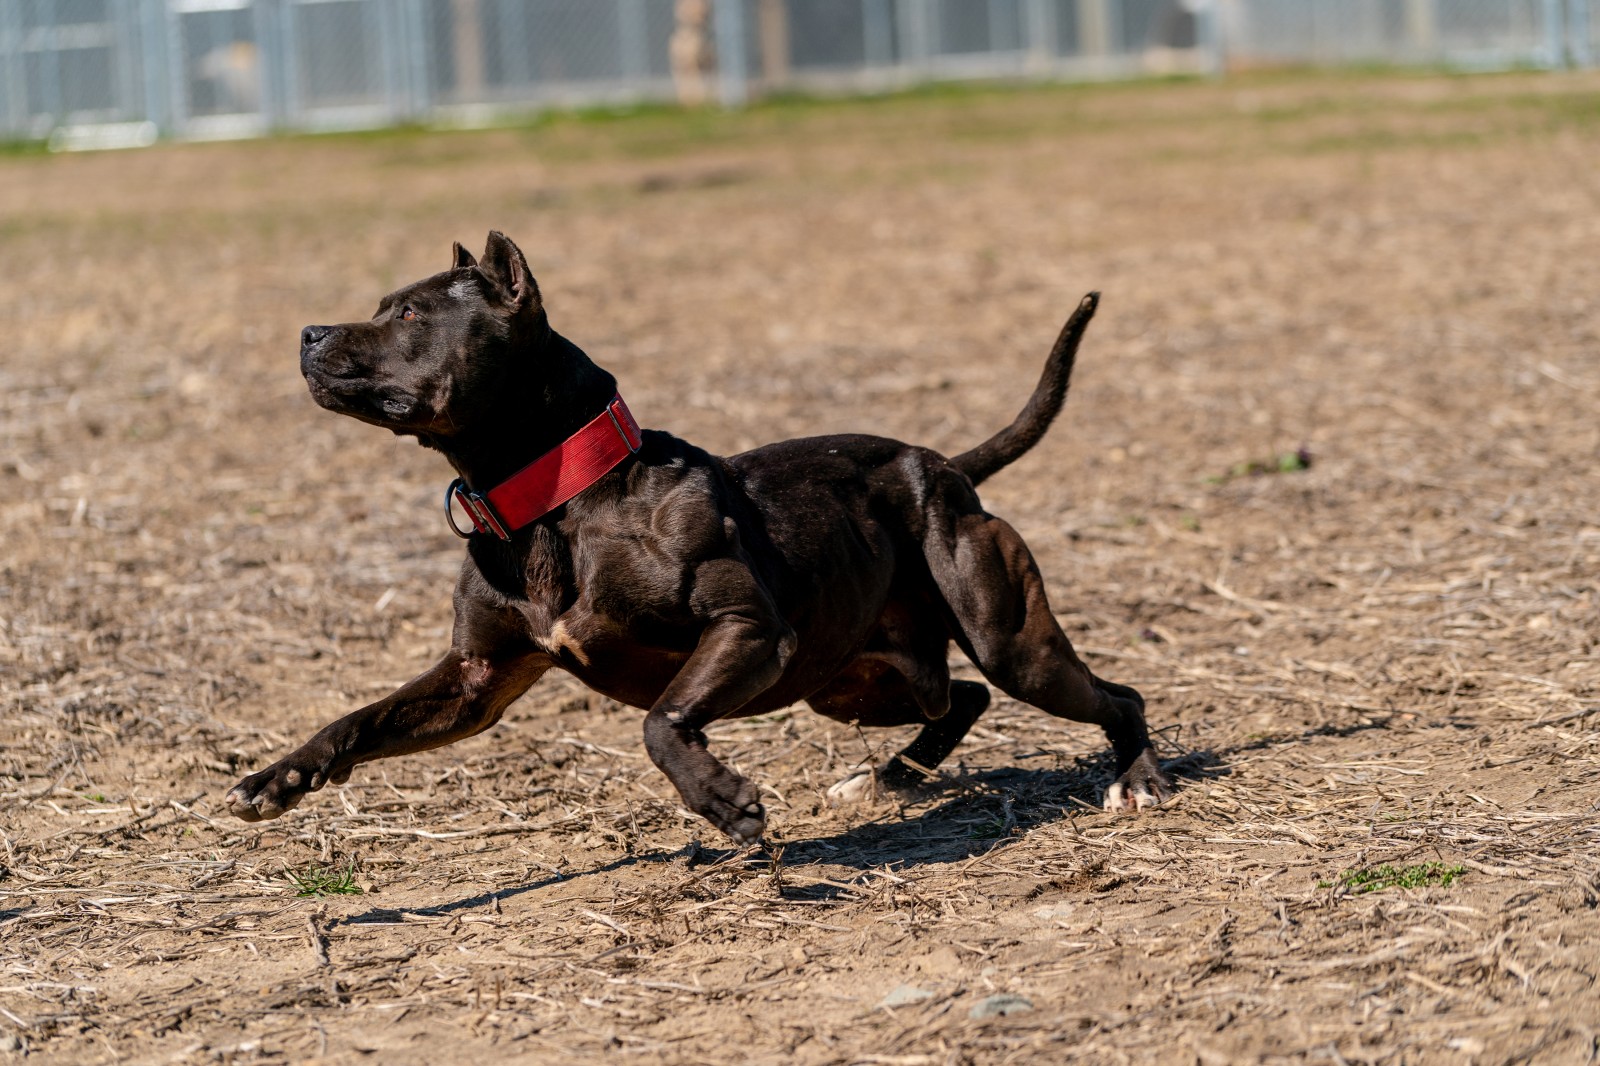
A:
[1388,659]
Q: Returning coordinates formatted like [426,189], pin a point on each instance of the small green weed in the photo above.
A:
[323,881]
[1420,875]
[1285,463]
[988,830]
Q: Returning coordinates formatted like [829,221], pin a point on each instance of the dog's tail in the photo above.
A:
[1007,446]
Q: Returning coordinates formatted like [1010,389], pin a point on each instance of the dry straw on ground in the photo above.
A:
[1385,660]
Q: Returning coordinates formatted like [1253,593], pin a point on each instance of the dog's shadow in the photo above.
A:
[972,813]
[978,812]
[396,915]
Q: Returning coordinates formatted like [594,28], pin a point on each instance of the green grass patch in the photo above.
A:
[1419,875]
[325,881]
[24,147]
[1309,109]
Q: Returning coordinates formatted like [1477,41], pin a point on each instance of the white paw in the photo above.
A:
[853,789]
[1118,798]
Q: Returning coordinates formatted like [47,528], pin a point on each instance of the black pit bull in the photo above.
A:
[834,570]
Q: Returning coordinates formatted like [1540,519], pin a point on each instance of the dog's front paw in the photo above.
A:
[280,787]
[732,804]
[1142,785]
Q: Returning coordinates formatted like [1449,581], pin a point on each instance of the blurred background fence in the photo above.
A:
[109,72]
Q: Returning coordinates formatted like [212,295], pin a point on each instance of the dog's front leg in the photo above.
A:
[462,695]
[740,654]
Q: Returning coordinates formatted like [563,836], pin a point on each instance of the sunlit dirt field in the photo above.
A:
[1377,675]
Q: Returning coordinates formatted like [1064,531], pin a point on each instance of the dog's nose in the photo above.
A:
[311,335]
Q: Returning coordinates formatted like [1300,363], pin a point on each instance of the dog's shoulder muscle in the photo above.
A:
[670,513]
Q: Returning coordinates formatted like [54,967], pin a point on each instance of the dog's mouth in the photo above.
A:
[382,405]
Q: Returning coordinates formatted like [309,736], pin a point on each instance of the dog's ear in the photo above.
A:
[505,268]
[462,257]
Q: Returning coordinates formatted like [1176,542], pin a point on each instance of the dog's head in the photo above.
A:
[437,353]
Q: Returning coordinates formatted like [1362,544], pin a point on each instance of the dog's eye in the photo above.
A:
[407,314]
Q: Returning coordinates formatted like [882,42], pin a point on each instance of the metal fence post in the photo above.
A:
[467,17]
[733,70]
[877,32]
[1422,27]
[50,70]
[418,82]
[10,99]
[1039,35]
[1554,34]
[273,47]
[385,20]
[291,102]
[1209,38]
[1094,28]
[128,67]
[916,34]
[1579,44]
[634,46]
[153,63]
[517,23]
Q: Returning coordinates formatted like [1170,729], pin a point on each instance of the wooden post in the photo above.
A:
[468,48]
[773,26]
[692,56]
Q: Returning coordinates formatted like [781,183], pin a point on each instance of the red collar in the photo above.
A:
[550,480]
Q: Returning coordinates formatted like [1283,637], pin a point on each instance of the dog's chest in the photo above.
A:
[604,617]
[612,656]
[576,637]
[609,603]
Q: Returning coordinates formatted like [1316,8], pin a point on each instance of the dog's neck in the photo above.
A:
[548,395]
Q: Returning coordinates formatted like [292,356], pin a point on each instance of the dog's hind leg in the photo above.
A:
[1001,618]
[884,697]
[917,760]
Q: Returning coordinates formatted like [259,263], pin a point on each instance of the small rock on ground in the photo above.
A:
[904,996]
[1000,1005]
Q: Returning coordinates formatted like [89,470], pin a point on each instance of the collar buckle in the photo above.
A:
[484,520]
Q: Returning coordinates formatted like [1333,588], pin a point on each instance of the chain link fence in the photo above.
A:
[1487,34]
[111,72]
